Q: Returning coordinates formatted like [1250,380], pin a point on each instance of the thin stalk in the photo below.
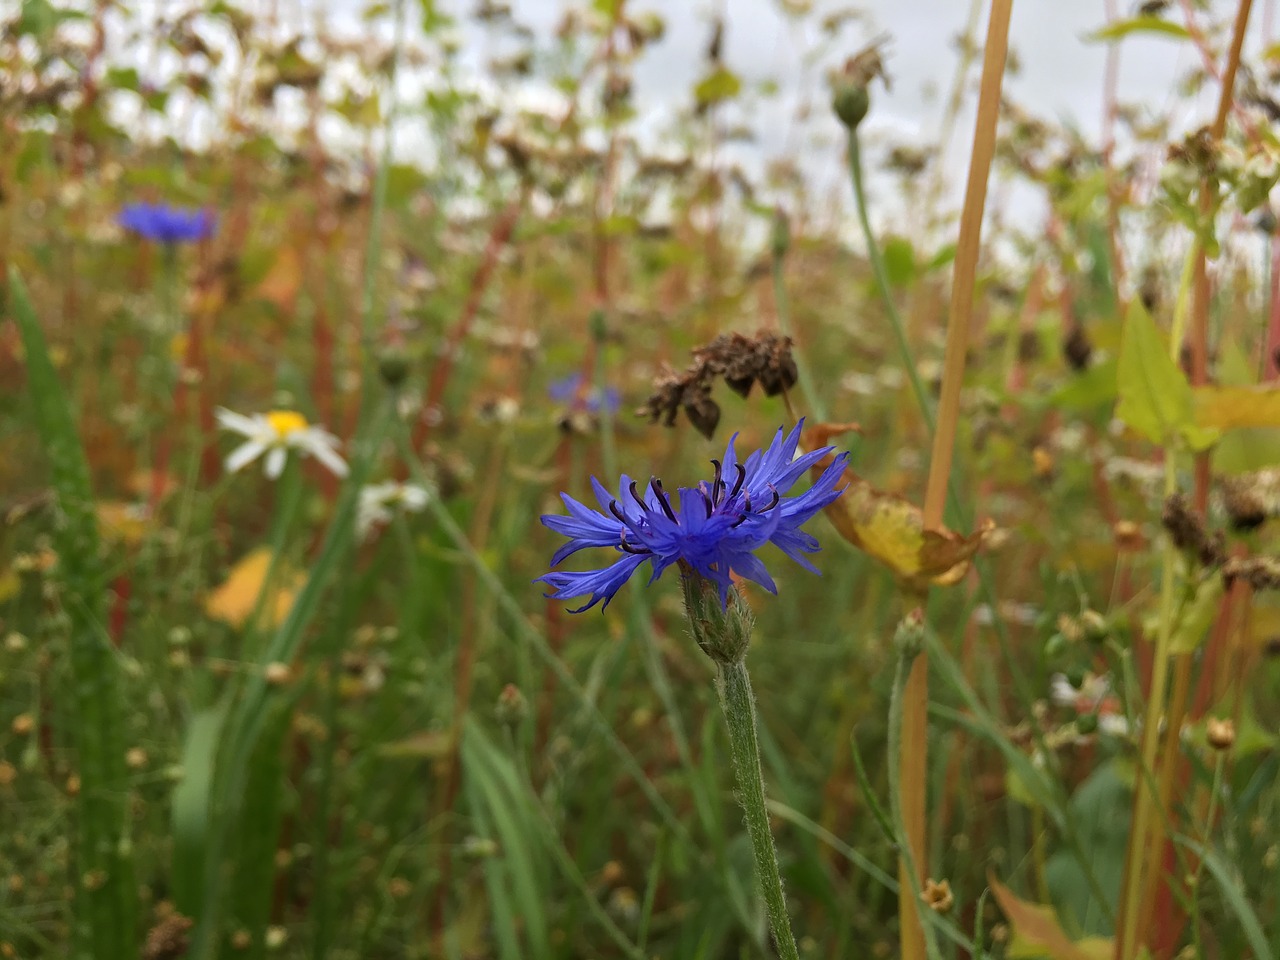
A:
[914,721]
[882,282]
[738,703]
[817,409]
[1137,860]
[1214,792]
[909,882]
[373,250]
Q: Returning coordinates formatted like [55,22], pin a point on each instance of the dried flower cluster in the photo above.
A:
[1189,534]
[741,361]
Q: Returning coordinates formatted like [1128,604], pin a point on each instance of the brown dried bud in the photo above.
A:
[1128,536]
[1189,534]
[1076,348]
[938,895]
[1221,733]
[168,939]
[740,361]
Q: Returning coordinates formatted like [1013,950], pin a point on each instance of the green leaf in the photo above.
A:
[719,85]
[1197,616]
[899,261]
[942,258]
[1154,396]
[123,78]
[1086,392]
[1123,28]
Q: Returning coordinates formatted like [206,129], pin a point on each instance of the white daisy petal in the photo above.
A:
[275,462]
[244,454]
[325,454]
[237,422]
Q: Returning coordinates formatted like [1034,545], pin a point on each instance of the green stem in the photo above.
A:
[738,703]
[882,281]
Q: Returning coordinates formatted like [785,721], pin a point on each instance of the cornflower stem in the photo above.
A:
[882,283]
[736,699]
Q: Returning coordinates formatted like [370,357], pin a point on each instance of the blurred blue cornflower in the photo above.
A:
[716,528]
[165,224]
[565,390]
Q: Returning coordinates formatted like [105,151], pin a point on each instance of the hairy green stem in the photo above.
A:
[734,686]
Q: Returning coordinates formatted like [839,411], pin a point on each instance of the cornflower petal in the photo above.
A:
[712,530]
[601,584]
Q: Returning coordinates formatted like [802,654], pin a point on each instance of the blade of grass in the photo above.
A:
[190,813]
[106,892]
[1232,893]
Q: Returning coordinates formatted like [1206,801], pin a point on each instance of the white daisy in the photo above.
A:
[275,433]
[377,501]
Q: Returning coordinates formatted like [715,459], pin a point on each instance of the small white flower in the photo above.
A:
[276,433]
[377,500]
[1093,690]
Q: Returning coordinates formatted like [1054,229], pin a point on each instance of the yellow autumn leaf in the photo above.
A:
[1231,408]
[1037,933]
[122,522]
[235,600]
[891,529]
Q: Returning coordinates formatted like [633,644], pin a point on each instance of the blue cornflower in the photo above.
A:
[165,224]
[565,390]
[710,530]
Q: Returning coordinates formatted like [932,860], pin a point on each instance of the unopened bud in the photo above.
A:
[1221,733]
[908,638]
[723,632]
[393,366]
[512,707]
[851,102]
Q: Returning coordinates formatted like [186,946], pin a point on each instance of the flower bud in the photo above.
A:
[512,707]
[723,633]
[1221,734]
[851,101]
[393,366]
[908,638]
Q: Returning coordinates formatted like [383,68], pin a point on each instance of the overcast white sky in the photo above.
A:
[1061,76]
[1061,73]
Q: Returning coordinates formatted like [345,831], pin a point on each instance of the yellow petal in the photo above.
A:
[234,601]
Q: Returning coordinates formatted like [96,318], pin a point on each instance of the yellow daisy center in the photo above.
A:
[285,422]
